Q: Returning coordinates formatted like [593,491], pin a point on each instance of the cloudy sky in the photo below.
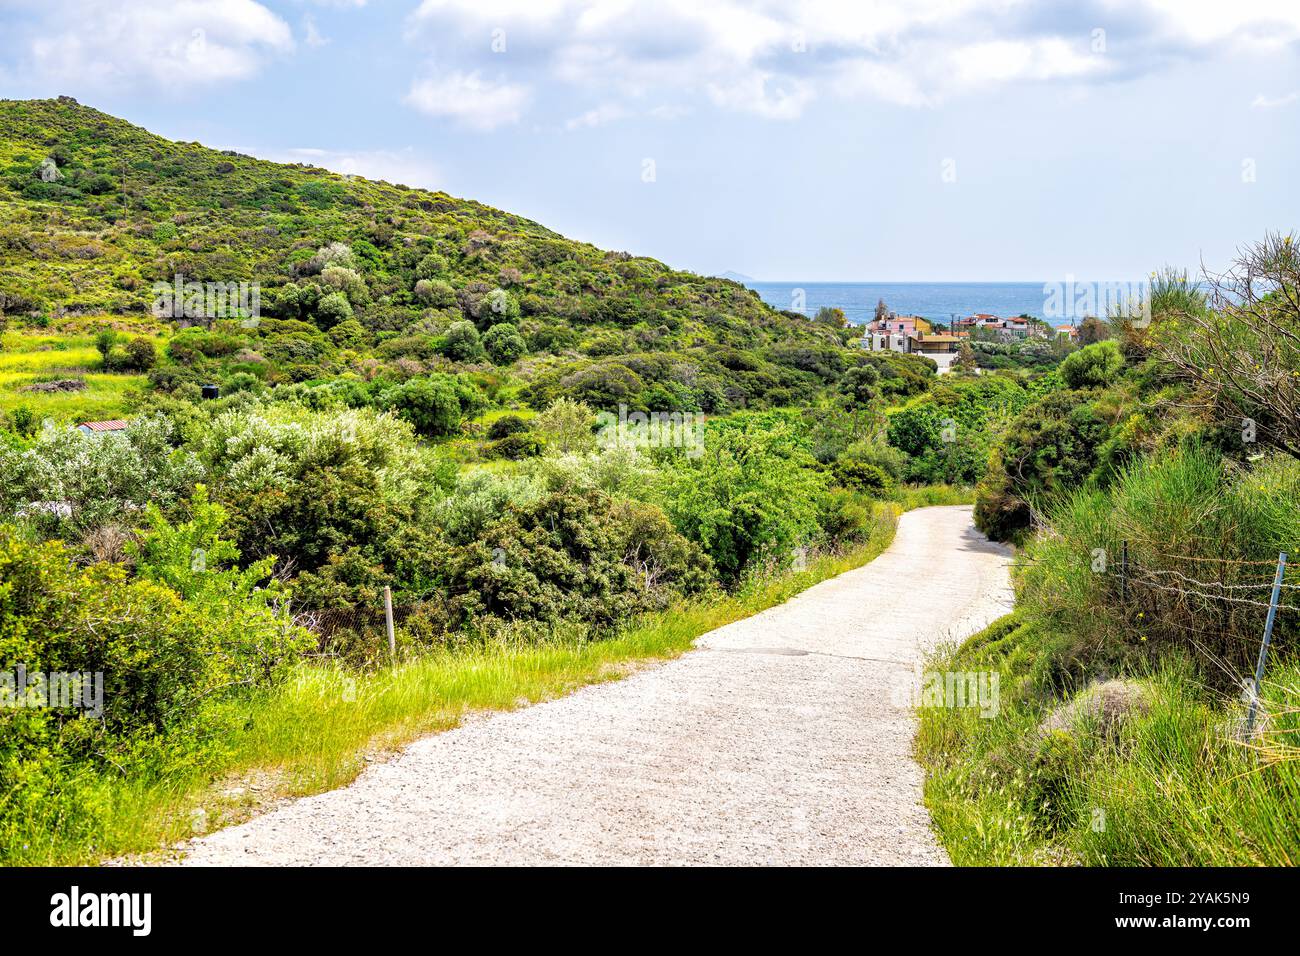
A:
[809,140]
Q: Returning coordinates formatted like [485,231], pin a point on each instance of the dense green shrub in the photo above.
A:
[430,404]
[517,445]
[67,483]
[506,425]
[462,343]
[1049,449]
[572,556]
[504,344]
[324,492]
[948,432]
[752,496]
[141,354]
[860,475]
[156,668]
[1093,366]
[1187,517]
[333,309]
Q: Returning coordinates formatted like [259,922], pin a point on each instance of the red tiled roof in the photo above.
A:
[112,425]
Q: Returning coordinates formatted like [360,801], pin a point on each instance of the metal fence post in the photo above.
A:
[1268,636]
[388,620]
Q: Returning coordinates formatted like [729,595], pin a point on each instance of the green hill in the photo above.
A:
[94,211]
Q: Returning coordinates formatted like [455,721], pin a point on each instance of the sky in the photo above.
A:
[808,140]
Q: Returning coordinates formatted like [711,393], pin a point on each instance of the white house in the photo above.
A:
[942,348]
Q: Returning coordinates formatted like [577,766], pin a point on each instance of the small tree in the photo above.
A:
[499,306]
[429,404]
[1093,329]
[568,426]
[966,361]
[1093,366]
[141,354]
[23,421]
[833,317]
[431,266]
[105,339]
[462,343]
[861,383]
[333,309]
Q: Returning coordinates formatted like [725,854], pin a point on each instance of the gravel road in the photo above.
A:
[784,738]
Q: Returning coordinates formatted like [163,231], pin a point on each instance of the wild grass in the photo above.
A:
[924,496]
[1203,537]
[1176,782]
[1175,786]
[105,396]
[316,731]
[28,359]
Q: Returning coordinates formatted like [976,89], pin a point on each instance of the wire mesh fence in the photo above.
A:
[1226,607]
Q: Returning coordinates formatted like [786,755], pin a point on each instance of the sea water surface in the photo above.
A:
[937,301]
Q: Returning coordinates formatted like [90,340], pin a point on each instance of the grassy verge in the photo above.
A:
[1170,784]
[318,730]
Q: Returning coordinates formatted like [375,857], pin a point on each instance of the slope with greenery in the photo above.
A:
[1153,494]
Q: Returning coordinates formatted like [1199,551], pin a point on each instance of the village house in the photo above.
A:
[1016,327]
[895,324]
[913,335]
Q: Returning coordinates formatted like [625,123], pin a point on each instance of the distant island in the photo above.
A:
[736,276]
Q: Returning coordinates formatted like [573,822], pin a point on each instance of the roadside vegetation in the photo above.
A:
[1152,494]
[318,724]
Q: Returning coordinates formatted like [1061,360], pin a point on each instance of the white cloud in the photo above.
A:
[159,44]
[1262,102]
[1205,22]
[773,58]
[311,35]
[763,94]
[597,117]
[668,111]
[469,99]
[1003,61]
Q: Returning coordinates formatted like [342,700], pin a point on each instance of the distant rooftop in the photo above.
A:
[112,425]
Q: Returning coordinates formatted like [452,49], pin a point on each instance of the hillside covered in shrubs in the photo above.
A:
[368,278]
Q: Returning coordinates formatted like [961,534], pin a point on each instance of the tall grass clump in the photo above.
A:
[1202,537]
[1120,737]
[1172,784]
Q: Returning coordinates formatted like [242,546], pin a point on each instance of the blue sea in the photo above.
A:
[937,301]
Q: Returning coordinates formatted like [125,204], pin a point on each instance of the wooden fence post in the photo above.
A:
[1263,650]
